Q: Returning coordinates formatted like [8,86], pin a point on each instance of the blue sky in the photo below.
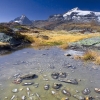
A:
[42,9]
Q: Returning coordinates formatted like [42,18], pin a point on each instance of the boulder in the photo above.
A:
[28,76]
[72,81]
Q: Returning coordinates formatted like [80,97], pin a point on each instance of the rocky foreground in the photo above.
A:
[47,74]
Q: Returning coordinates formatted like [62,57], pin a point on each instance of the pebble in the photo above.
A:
[97,90]
[15,90]
[12,98]
[17,75]
[21,89]
[81,98]
[27,88]
[29,83]
[86,91]
[46,87]
[66,92]
[23,97]
[66,98]
[6,97]
[53,92]
[77,91]
[56,85]
[45,79]
[44,75]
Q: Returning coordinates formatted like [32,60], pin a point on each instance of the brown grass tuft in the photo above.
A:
[97,61]
[90,55]
[77,57]
[64,46]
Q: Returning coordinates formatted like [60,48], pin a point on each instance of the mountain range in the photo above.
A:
[74,15]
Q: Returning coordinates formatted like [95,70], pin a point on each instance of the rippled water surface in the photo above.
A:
[43,62]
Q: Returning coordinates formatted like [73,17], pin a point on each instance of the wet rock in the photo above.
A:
[86,91]
[81,98]
[66,92]
[27,83]
[56,85]
[46,87]
[23,97]
[66,98]
[28,76]
[62,75]
[53,92]
[38,95]
[77,91]
[97,90]
[45,79]
[78,97]
[68,54]
[21,89]
[17,75]
[55,75]
[58,75]
[89,98]
[69,66]
[27,88]
[17,81]
[15,90]
[72,81]
[12,98]
[6,97]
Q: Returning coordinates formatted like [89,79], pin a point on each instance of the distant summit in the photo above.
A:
[23,20]
[77,15]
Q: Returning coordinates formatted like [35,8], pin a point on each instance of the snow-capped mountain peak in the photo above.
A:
[22,17]
[76,14]
[75,9]
[22,20]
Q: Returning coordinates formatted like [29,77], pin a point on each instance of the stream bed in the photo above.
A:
[43,63]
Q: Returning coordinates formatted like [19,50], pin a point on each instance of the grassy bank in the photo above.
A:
[56,37]
[90,55]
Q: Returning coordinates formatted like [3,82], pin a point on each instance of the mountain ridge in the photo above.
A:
[74,15]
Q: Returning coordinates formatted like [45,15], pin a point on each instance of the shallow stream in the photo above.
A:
[43,63]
